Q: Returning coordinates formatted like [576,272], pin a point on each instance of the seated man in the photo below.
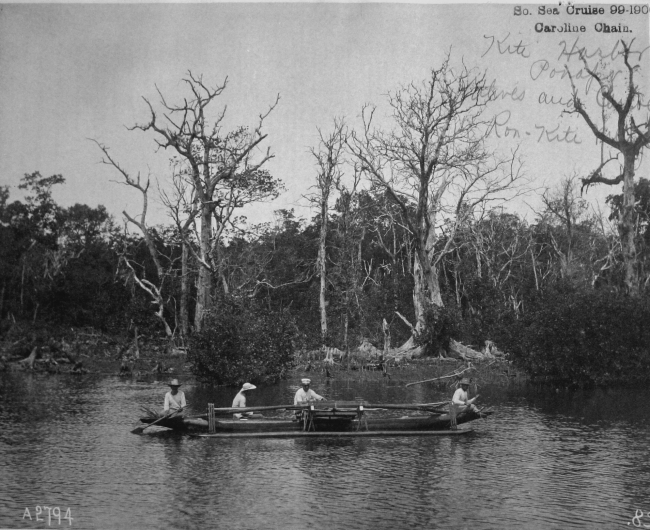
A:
[304,395]
[240,401]
[174,399]
[460,401]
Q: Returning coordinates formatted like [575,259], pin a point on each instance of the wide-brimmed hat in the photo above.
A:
[464,381]
[174,382]
[248,386]
[305,381]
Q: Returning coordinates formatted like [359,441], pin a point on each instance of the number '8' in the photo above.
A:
[636,520]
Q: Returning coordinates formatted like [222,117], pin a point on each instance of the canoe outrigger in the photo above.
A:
[323,419]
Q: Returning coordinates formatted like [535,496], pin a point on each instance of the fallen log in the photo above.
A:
[455,373]
[460,351]
[407,350]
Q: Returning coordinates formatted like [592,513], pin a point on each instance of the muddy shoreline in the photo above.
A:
[147,359]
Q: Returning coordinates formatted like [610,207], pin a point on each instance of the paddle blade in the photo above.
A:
[139,430]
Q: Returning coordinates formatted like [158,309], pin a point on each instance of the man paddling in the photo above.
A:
[240,401]
[174,399]
[460,401]
[305,394]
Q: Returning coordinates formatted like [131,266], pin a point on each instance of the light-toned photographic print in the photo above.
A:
[324,266]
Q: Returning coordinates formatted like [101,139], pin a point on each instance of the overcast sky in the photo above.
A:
[79,71]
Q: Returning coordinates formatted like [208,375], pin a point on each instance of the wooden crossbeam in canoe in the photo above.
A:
[331,405]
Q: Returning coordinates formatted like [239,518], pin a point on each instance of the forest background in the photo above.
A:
[418,230]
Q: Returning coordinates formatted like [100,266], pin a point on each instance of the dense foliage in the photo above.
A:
[243,343]
[443,324]
[58,264]
[583,338]
[549,292]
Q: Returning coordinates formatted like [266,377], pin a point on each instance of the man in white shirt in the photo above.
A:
[305,394]
[175,399]
[460,400]
[240,401]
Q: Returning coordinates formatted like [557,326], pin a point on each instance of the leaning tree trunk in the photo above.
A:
[28,362]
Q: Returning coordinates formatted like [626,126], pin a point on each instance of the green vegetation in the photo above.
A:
[242,343]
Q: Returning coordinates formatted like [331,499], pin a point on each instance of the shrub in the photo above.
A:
[583,338]
[242,343]
[442,324]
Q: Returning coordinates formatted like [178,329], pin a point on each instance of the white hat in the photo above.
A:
[305,381]
[248,386]
[174,382]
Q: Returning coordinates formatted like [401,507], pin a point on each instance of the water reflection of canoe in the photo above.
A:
[321,419]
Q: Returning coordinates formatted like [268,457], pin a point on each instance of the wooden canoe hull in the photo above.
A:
[330,424]
[347,434]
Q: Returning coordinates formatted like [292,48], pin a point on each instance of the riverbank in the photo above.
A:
[155,363]
[435,371]
[86,350]
[149,358]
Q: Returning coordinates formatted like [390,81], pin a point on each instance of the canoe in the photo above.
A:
[323,420]
[350,434]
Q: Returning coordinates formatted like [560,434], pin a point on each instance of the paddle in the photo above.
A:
[140,429]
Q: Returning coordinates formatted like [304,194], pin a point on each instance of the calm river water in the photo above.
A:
[544,460]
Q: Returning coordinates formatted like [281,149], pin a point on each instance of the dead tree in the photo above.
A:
[434,165]
[351,232]
[564,205]
[213,156]
[155,289]
[182,204]
[329,157]
[628,138]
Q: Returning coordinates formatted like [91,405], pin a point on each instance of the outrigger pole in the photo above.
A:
[333,405]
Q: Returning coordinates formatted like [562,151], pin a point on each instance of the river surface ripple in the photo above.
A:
[544,460]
